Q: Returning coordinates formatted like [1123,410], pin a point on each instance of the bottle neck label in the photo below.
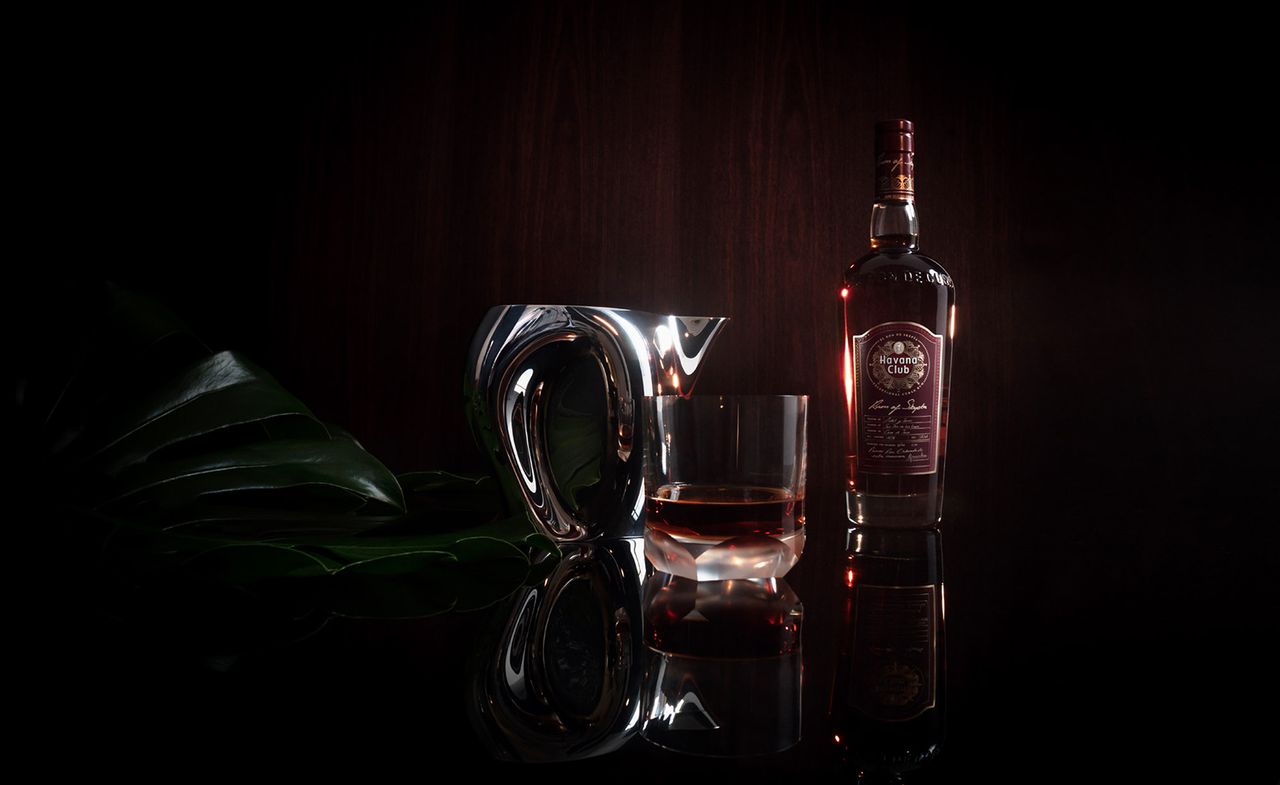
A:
[896,176]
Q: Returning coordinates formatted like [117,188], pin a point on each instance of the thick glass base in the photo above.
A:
[724,558]
[909,511]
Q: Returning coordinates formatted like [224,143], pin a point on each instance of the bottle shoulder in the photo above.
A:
[908,266]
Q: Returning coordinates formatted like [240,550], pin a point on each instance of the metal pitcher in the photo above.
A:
[553,394]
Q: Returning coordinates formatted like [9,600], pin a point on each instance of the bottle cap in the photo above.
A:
[895,136]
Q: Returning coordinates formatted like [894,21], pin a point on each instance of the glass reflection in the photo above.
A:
[724,665]
[888,699]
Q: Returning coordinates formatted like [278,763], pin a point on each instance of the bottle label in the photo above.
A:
[897,375]
[894,651]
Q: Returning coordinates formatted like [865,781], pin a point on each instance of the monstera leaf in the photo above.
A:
[151,424]
[182,472]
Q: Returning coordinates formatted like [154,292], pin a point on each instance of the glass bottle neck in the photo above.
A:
[894,225]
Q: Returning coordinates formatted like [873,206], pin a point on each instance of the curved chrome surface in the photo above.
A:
[560,676]
[517,355]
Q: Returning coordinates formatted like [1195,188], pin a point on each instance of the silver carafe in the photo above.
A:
[534,368]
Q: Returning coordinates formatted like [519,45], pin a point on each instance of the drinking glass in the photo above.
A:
[724,481]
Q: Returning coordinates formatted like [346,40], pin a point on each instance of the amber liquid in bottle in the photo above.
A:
[899,316]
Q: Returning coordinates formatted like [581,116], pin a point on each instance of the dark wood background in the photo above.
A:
[342,194]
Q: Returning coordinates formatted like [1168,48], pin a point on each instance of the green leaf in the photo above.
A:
[336,474]
[403,585]
[539,543]
[102,345]
[263,523]
[390,539]
[484,548]
[193,479]
[215,394]
[474,498]
[241,563]
[474,574]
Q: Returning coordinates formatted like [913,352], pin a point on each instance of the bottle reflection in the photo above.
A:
[560,677]
[888,698]
[724,665]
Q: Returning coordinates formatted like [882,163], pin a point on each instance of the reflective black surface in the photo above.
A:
[560,672]
[1055,660]
[745,674]
[889,699]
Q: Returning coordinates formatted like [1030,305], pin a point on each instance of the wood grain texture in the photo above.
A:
[685,158]
[677,158]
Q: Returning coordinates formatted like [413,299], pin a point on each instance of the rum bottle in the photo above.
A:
[899,321]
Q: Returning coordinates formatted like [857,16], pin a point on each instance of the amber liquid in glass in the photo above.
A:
[719,512]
